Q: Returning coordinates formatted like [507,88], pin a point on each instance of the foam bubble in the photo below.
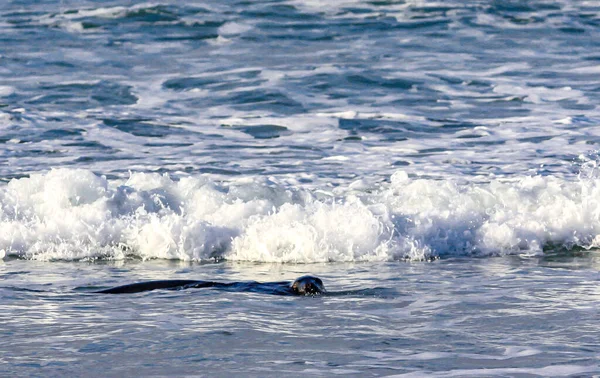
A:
[6,90]
[539,94]
[522,216]
[234,28]
[315,232]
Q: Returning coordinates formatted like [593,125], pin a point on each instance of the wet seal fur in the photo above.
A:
[303,286]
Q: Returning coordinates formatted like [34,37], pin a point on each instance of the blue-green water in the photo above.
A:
[440,155]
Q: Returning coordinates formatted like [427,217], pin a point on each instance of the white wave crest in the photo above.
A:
[71,214]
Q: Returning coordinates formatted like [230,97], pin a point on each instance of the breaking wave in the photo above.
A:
[73,214]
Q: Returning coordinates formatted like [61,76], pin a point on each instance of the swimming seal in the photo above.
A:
[308,285]
[304,286]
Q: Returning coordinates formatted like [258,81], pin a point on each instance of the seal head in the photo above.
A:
[308,285]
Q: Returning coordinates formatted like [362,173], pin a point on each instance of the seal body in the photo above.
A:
[154,285]
[308,285]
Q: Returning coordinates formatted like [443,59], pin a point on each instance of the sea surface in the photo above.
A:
[435,163]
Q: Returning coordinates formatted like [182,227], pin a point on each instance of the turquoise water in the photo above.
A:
[440,159]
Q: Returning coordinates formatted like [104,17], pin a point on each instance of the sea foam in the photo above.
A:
[72,214]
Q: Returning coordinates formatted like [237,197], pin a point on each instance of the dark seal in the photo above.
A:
[305,285]
[308,285]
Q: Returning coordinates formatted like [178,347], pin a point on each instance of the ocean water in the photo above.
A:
[435,163]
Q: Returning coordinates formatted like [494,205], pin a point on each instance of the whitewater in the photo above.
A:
[71,214]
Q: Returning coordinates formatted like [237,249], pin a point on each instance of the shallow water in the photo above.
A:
[457,317]
[436,162]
